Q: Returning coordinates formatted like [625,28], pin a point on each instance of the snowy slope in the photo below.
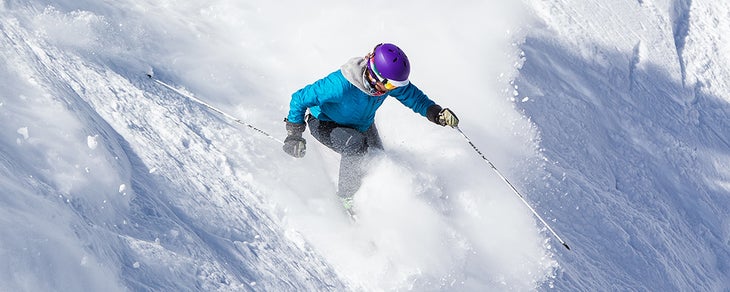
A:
[610,116]
[631,100]
[89,211]
[113,182]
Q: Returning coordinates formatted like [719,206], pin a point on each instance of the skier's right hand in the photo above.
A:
[294,144]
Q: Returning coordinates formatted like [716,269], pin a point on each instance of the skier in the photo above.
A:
[342,109]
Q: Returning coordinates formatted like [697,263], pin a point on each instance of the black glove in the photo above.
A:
[294,144]
[443,117]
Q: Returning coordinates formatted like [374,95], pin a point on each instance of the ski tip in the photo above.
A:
[566,245]
[353,216]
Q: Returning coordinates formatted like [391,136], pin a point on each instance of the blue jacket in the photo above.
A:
[336,99]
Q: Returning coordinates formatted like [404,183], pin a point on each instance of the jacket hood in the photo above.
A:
[354,71]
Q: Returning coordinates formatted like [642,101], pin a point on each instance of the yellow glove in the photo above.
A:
[447,118]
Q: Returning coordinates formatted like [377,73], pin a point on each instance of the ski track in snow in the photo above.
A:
[161,228]
[614,125]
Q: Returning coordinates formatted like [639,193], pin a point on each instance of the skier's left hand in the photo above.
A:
[448,118]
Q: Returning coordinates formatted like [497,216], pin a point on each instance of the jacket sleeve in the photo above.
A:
[413,98]
[317,93]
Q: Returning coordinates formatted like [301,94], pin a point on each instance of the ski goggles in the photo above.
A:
[388,84]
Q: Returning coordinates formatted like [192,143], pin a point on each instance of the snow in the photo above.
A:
[611,117]
[92,142]
[24,133]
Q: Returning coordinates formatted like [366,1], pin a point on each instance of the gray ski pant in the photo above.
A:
[352,145]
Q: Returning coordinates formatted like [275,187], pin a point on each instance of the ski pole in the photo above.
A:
[213,108]
[513,188]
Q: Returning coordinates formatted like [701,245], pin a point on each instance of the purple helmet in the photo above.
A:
[390,62]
